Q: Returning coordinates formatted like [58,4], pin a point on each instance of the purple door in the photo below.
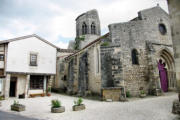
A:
[163,76]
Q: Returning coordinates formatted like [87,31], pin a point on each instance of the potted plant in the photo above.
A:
[78,105]
[1,98]
[142,93]
[17,107]
[49,92]
[128,94]
[56,107]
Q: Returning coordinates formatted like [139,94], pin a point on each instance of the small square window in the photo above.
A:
[33,59]
[1,57]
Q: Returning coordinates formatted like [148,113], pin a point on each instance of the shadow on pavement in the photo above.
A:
[8,116]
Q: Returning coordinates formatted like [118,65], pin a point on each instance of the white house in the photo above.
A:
[27,66]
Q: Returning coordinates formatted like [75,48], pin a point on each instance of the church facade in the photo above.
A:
[123,60]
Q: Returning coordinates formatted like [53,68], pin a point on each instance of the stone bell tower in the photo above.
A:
[87,27]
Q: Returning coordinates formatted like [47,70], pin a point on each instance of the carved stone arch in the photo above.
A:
[167,56]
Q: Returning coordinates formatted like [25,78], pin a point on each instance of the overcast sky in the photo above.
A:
[54,20]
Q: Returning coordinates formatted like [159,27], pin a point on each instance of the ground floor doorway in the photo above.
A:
[13,87]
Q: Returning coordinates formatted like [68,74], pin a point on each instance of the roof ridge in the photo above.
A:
[28,36]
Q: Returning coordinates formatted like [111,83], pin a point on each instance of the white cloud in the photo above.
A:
[56,19]
[62,45]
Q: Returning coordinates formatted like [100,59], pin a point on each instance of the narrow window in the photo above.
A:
[97,61]
[1,57]
[84,28]
[134,54]
[36,82]
[33,59]
[93,28]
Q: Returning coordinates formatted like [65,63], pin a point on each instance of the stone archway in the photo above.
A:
[167,57]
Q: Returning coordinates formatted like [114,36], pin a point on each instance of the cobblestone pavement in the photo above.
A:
[8,116]
[150,108]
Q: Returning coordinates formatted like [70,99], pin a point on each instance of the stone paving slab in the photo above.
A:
[151,108]
[8,116]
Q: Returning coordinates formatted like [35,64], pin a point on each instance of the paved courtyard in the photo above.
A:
[8,116]
[151,108]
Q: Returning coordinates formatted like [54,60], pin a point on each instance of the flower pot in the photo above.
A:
[48,94]
[78,107]
[58,110]
[42,95]
[18,107]
[142,95]
[0,104]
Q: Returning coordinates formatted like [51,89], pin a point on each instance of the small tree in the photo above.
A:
[77,42]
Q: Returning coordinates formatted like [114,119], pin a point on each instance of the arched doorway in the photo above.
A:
[167,58]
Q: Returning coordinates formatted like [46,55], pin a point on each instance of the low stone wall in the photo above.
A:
[113,93]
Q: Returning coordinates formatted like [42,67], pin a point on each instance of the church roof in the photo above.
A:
[91,43]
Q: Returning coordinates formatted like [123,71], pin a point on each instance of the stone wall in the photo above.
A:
[61,69]
[112,93]
[94,75]
[134,35]
[174,9]
[88,18]
[149,34]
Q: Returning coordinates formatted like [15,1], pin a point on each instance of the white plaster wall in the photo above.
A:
[39,91]
[18,57]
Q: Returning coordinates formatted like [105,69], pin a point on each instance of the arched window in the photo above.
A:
[134,55]
[84,28]
[93,28]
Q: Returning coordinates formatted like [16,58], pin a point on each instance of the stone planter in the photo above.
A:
[142,95]
[0,104]
[176,107]
[18,107]
[58,110]
[78,107]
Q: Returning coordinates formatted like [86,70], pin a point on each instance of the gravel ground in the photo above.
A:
[150,108]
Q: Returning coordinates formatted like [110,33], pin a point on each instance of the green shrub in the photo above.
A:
[1,98]
[105,44]
[55,103]
[142,92]
[128,94]
[78,102]
[15,102]
[77,42]
[49,89]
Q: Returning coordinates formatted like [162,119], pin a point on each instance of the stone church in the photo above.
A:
[123,60]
